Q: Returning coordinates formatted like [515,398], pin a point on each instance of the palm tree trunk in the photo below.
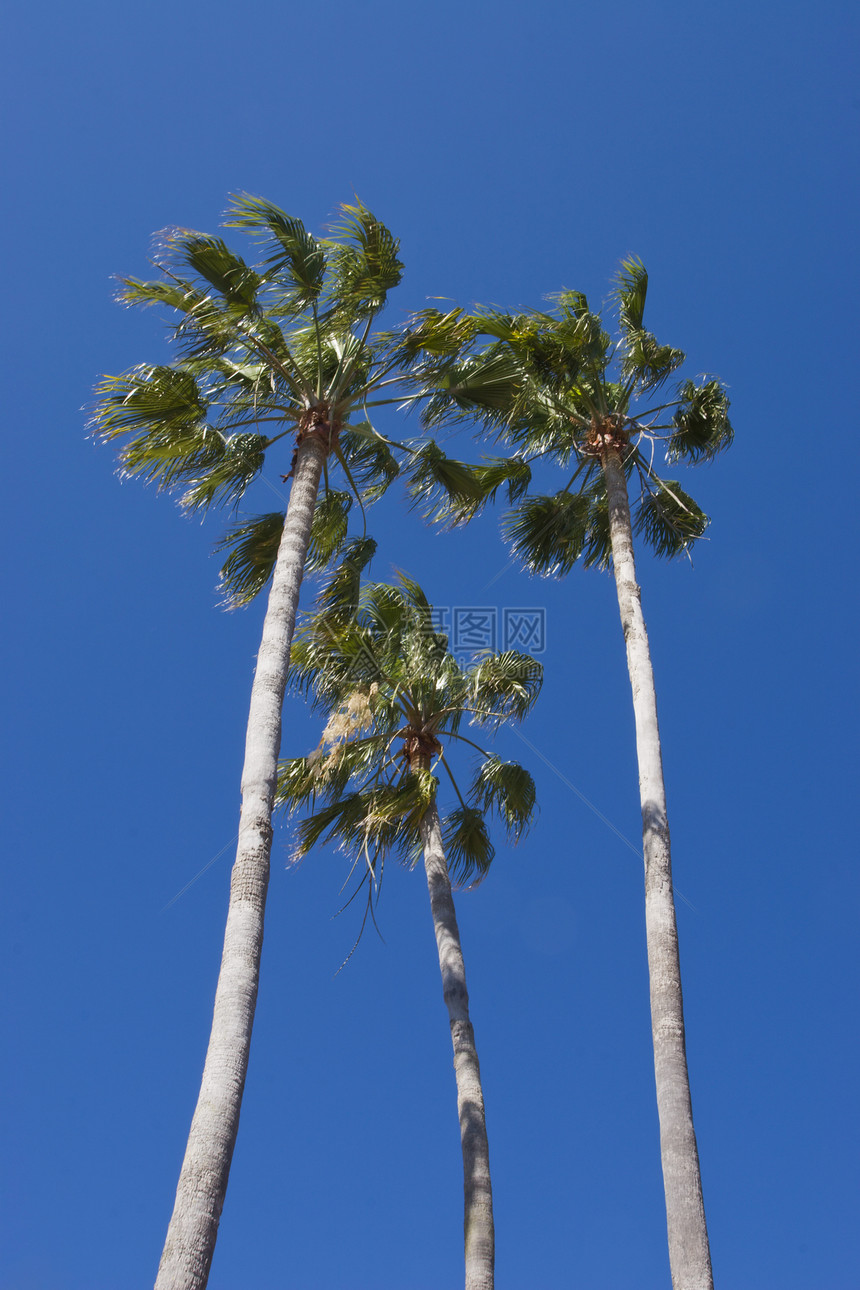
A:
[478,1194]
[200,1194]
[689,1254]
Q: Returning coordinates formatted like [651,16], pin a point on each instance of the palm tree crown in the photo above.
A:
[395,701]
[558,387]
[284,349]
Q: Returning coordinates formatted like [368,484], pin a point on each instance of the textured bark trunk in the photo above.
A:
[478,1194]
[689,1254]
[193,1227]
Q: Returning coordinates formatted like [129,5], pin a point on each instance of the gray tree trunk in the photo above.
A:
[689,1253]
[478,1194]
[200,1194]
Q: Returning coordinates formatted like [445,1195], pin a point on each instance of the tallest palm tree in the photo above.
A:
[555,386]
[286,345]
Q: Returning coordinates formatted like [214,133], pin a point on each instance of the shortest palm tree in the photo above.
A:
[395,700]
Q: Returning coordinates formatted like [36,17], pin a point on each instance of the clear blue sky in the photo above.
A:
[514,150]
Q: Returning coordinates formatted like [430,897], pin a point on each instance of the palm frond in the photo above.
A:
[503,686]
[649,363]
[171,458]
[572,305]
[597,551]
[178,294]
[176,445]
[298,782]
[468,849]
[148,396]
[668,519]
[549,534]
[486,388]
[371,462]
[631,288]
[440,484]
[507,789]
[702,422]
[227,479]
[293,253]
[550,352]
[430,334]
[253,547]
[339,598]
[364,267]
[213,261]
[335,821]
[329,527]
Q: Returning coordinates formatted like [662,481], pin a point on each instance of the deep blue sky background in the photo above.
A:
[514,149]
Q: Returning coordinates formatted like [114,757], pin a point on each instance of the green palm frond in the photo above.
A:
[508,789]
[549,534]
[370,822]
[647,362]
[393,698]
[372,464]
[211,259]
[365,264]
[503,686]
[486,388]
[227,479]
[176,445]
[253,547]
[171,459]
[339,598]
[395,811]
[441,485]
[702,422]
[631,288]
[431,335]
[513,471]
[334,822]
[178,294]
[298,782]
[668,519]
[326,773]
[326,664]
[293,253]
[165,397]
[329,527]
[597,552]
[549,351]
[468,849]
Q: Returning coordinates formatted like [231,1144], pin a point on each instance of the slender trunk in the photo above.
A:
[193,1228]
[478,1195]
[689,1254]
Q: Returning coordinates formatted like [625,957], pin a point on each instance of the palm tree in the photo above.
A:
[288,343]
[395,701]
[556,386]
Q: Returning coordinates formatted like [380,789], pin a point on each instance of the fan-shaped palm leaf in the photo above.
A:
[702,426]
[253,547]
